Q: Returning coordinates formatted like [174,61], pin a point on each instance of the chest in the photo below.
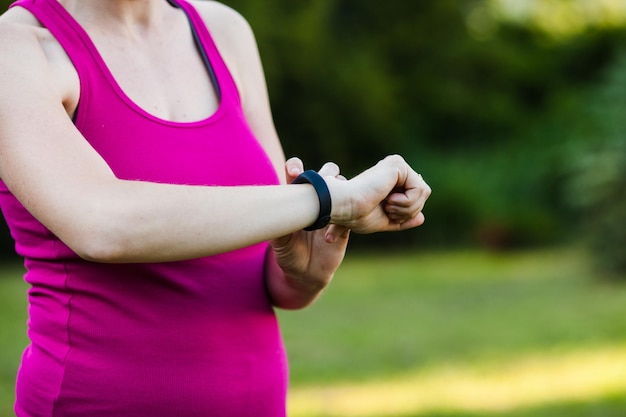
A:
[165,76]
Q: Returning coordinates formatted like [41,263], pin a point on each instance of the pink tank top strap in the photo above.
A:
[216,65]
[63,27]
[84,54]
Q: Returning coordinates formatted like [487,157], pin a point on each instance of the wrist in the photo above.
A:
[323,196]
[343,205]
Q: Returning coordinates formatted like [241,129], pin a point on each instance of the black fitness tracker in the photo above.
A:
[318,183]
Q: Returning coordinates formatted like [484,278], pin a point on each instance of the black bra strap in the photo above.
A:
[201,49]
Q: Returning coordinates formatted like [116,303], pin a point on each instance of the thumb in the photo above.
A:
[293,168]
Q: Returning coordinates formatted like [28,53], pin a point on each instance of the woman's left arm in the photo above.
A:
[298,266]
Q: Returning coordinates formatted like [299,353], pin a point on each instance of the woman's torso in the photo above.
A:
[191,338]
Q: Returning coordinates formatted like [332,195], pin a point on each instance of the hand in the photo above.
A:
[389,196]
[309,259]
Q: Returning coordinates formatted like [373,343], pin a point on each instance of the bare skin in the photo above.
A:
[47,163]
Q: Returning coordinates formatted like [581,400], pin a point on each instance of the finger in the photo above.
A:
[408,178]
[401,199]
[293,167]
[413,179]
[335,232]
[413,222]
[404,196]
[408,201]
[397,216]
[409,198]
[404,224]
[402,214]
[329,169]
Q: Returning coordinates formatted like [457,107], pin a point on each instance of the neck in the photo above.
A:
[130,14]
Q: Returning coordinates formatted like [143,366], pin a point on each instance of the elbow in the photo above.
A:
[99,250]
[100,238]
[98,247]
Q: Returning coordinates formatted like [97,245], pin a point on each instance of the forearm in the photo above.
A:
[126,221]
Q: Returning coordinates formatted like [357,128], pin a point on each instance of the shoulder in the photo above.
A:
[17,25]
[22,41]
[16,22]
[23,34]
[236,42]
[31,63]
[32,57]
[229,29]
[19,15]
[220,16]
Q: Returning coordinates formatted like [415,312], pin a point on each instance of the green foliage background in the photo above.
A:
[521,136]
[490,110]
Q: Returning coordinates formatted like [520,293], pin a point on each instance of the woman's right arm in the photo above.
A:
[54,172]
[66,185]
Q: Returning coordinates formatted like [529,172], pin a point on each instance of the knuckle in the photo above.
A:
[395,158]
[333,165]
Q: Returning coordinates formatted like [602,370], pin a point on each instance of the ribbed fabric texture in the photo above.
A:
[197,338]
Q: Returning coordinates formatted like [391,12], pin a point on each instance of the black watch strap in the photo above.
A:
[323,194]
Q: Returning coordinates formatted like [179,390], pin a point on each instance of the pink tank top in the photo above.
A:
[197,338]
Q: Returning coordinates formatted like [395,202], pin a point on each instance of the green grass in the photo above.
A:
[611,406]
[388,315]
[385,317]
[13,338]
[412,311]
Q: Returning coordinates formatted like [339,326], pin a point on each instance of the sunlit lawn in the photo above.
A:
[462,334]
[12,332]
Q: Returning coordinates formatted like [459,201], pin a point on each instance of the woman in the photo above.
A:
[139,164]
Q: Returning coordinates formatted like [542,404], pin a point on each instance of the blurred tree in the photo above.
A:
[469,97]
[473,97]
[7,247]
[597,171]
[352,80]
